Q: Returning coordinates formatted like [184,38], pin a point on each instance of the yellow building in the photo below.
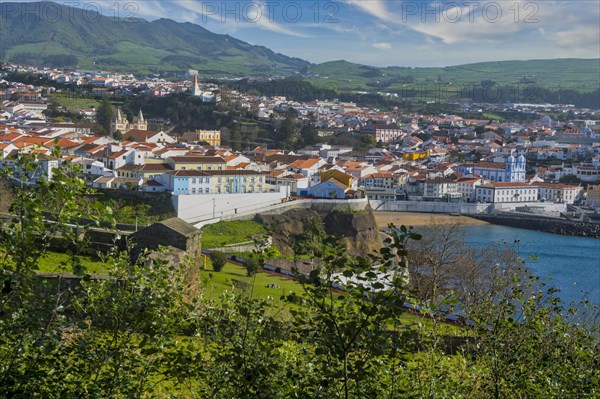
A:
[337,175]
[197,163]
[413,156]
[212,137]
[593,196]
[237,181]
[145,171]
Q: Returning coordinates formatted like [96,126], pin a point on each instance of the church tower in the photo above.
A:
[196,92]
[119,123]
[520,169]
[514,170]
[139,123]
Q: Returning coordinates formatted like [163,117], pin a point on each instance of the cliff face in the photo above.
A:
[357,230]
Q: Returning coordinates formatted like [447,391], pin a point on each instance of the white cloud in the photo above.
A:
[376,8]
[382,45]
[255,14]
[580,38]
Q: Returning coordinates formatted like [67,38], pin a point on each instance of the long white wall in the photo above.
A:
[549,207]
[462,207]
[429,207]
[197,208]
[319,205]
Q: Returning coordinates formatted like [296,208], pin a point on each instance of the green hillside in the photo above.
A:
[35,36]
[576,74]
[70,36]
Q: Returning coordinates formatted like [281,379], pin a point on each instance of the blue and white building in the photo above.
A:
[512,171]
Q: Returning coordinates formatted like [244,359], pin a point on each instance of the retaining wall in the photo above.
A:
[430,207]
[203,207]
[319,205]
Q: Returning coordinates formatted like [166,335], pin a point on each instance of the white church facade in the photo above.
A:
[512,171]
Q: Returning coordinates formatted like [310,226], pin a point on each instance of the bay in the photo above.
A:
[572,264]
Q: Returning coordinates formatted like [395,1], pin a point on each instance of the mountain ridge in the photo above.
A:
[169,48]
[161,45]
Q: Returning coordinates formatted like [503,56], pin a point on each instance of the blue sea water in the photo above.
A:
[572,264]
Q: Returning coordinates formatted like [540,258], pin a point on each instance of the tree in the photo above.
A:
[435,260]
[441,265]
[235,136]
[286,134]
[253,265]
[570,179]
[218,260]
[526,344]
[137,331]
[107,337]
[310,241]
[368,140]
[350,330]
[104,116]
[308,135]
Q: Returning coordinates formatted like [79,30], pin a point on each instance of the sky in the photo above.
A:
[391,32]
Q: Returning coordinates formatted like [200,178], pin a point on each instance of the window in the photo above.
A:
[194,181]
[206,190]
[194,190]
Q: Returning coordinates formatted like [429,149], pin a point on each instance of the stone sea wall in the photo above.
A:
[545,224]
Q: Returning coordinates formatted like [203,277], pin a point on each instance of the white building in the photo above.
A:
[437,188]
[466,187]
[512,171]
[556,192]
[506,192]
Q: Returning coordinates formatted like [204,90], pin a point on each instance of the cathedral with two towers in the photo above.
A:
[121,124]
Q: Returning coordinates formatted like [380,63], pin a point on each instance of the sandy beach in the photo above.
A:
[419,219]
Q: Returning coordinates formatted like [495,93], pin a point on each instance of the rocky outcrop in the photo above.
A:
[358,230]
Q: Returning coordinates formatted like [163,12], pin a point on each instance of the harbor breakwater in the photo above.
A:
[542,223]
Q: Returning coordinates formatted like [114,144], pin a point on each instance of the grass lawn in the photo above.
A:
[73,103]
[223,233]
[261,286]
[56,262]
[234,277]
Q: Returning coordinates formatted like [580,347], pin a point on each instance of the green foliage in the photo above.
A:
[141,332]
[129,207]
[218,260]
[55,262]
[104,115]
[311,240]
[552,78]
[570,179]
[220,234]
[253,265]
[353,325]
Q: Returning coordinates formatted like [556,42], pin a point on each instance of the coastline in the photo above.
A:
[383,218]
